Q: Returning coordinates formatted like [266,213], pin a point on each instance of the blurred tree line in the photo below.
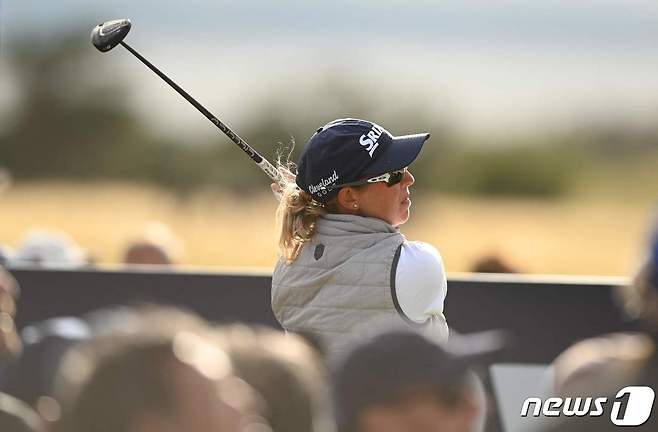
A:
[74,126]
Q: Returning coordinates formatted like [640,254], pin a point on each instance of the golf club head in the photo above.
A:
[108,35]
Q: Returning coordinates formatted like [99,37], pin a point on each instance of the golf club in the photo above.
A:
[109,34]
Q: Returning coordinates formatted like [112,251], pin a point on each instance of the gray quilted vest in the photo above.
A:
[341,286]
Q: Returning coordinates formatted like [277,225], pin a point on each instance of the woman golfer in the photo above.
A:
[345,269]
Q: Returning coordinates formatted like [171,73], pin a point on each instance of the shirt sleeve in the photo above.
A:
[421,287]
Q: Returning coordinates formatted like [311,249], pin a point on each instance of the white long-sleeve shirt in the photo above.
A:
[421,287]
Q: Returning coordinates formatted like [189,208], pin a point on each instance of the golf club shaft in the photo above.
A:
[263,163]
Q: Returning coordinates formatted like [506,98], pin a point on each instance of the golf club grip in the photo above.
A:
[263,163]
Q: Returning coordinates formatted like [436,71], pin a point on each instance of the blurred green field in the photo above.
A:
[573,235]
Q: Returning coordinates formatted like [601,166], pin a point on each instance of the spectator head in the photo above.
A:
[159,384]
[112,328]
[287,373]
[145,253]
[492,263]
[400,381]
[156,245]
[640,297]
[600,365]
[49,248]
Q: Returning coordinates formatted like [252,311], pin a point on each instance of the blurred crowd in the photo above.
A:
[156,244]
[160,368]
[153,368]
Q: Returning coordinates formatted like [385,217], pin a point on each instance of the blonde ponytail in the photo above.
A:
[296,216]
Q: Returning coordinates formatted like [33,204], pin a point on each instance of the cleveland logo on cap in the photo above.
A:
[323,183]
[369,141]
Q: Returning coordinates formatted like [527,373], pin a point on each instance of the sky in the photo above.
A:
[493,67]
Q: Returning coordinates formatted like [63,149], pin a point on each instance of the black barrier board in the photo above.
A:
[544,316]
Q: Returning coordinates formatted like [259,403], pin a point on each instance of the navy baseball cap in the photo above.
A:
[347,150]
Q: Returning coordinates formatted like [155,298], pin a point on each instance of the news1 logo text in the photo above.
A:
[631,406]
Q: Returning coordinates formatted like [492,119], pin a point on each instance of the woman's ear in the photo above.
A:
[348,201]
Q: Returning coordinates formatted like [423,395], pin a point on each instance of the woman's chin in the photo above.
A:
[403,218]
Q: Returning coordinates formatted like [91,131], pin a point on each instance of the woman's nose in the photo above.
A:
[408,178]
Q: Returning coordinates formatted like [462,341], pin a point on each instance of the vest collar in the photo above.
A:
[344,224]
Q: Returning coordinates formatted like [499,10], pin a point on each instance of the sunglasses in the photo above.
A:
[391,179]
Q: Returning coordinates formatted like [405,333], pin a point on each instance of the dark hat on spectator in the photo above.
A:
[45,344]
[378,370]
